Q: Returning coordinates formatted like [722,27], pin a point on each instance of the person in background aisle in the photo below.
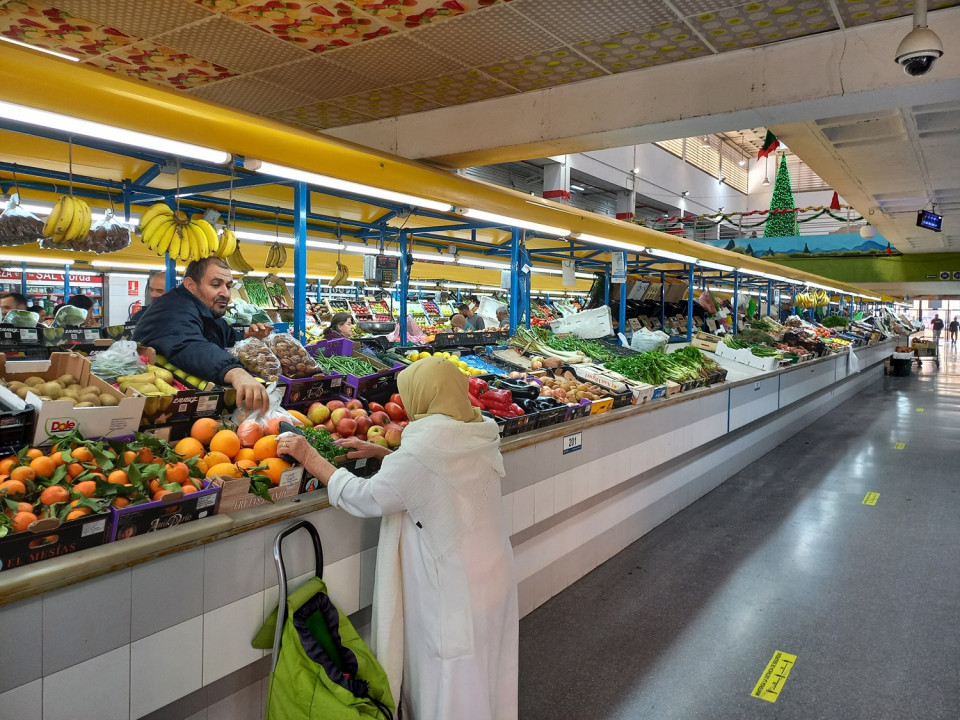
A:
[473,320]
[12,301]
[186,325]
[503,318]
[445,616]
[341,326]
[156,287]
[954,329]
[84,303]
[459,323]
[41,313]
[937,326]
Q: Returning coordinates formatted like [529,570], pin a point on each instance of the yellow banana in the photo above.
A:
[53,218]
[228,243]
[209,236]
[176,240]
[76,221]
[154,229]
[87,222]
[66,219]
[188,246]
[151,212]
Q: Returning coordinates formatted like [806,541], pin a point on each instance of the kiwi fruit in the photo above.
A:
[15,385]
[33,380]
[89,399]
[66,380]
[75,386]
[71,393]
[51,389]
[22,392]
[108,400]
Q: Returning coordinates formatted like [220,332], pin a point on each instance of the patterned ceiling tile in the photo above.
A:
[861,12]
[414,13]
[392,60]
[758,23]
[386,102]
[317,78]
[144,18]
[321,116]
[231,44]
[544,69]
[316,26]
[485,36]
[222,5]
[663,43]
[163,65]
[575,20]
[35,23]
[458,88]
[695,7]
[250,94]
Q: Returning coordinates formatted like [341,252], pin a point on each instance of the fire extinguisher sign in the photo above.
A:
[133,288]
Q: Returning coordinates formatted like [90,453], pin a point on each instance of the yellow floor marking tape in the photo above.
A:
[774,676]
[899,446]
[871,498]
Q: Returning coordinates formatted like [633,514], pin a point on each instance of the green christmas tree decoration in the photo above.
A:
[781,224]
[730,245]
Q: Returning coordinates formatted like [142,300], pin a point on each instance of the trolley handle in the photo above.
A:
[282,577]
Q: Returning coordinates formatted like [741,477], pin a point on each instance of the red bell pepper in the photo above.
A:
[477,386]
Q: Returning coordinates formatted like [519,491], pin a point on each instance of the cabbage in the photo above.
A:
[21,318]
[70,316]
[244,313]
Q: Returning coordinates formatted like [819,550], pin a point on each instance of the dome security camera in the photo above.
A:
[918,51]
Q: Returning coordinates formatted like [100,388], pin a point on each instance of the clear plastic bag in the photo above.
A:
[244,313]
[257,358]
[644,340]
[70,316]
[17,226]
[268,422]
[295,361]
[21,318]
[108,235]
[121,358]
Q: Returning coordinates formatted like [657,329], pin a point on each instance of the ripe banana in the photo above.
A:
[341,275]
[176,241]
[209,236]
[69,221]
[276,256]
[228,244]
[237,262]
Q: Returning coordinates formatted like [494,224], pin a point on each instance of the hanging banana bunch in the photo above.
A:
[164,230]
[276,256]
[69,221]
[340,277]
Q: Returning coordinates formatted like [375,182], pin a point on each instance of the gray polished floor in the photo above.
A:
[784,556]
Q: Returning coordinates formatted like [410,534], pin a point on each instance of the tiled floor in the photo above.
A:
[784,556]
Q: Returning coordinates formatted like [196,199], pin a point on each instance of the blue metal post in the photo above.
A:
[690,287]
[736,293]
[663,299]
[514,280]
[793,295]
[301,206]
[66,285]
[171,271]
[623,298]
[770,298]
[23,280]
[404,286]
[606,285]
[528,288]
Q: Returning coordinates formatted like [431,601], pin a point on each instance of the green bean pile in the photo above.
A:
[345,365]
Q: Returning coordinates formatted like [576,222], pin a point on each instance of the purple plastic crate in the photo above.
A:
[155,515]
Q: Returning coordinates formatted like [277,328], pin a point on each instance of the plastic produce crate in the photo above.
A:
[170,511]
[48,539]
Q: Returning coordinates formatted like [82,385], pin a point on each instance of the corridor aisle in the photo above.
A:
[784,556]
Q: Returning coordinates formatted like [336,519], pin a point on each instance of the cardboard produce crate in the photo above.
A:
[235,493]
[706,341]
[171,510]
[59,417]
[49,538]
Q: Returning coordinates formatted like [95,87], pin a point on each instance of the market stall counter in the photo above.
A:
[574,495]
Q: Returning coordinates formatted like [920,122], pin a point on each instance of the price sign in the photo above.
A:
[618,268]
[572,442]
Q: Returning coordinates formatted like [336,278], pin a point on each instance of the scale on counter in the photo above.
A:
[380,269]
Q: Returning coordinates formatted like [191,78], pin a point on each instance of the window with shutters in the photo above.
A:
[802,178]
[674,147]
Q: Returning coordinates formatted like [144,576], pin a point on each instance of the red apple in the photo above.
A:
[363,425]
[334,405]
[379,440]
[328,425]
[403,423]
[334,436]
[347,427]
[354,404]
[318,413]
[374,407]
[358,413]
[395,411]
[374,432]
[379,418]
[395,398]
[339,414]
[392,435]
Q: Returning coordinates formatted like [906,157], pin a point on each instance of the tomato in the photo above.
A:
[375,407]
[395,412]
[395,398]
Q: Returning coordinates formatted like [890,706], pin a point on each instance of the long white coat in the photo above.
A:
[444,549]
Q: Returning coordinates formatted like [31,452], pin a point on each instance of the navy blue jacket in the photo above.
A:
[180,327]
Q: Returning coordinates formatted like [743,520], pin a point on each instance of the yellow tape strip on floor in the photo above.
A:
[899,446]
[774,676]
[871,498]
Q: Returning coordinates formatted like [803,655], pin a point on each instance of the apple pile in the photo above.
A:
[379,424]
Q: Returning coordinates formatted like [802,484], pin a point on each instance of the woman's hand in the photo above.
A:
[362,449]
[297,447]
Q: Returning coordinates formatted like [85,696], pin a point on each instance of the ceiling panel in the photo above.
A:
[36,23]
[459,88]
[320,116]
[252,95]
[144,18]
[162,65]
[317,78]
[392,60]
[553,67]
[415,13]
[646,47]
[575,20]
[759,23]
[386,102]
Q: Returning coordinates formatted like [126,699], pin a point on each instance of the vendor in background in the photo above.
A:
[12,301]
[503,318]
[156,287]
[187,326]
[341,326]
[473,320]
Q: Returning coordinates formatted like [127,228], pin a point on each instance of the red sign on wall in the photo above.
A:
[133,288]
[51,277]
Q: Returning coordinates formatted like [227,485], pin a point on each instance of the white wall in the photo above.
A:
[122,290]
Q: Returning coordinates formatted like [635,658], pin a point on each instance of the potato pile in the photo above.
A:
[569,389]
[64,387]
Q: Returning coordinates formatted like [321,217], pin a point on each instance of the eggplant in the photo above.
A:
[519,390]
[529,405]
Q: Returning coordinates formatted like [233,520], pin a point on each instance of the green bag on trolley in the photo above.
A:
[322,669]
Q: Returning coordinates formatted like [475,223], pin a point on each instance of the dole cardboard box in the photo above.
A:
[59,417]
[235,493]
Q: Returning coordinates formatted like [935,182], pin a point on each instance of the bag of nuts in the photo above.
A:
[17,226]
[257,358]
[107,235]
[295,361]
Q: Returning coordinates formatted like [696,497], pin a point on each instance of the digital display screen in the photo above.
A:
[929,220]
[387,262]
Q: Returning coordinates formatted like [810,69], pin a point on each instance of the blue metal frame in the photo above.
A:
[301,206]
[736,298]
[404,287]
[690,285]
[622,320]
[514,279]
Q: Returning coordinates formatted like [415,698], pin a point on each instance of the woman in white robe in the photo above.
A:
[445,619]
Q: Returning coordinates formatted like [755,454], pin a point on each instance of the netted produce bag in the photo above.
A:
[295,361]
[106,236]
[70,316]
[17,226]
[21,318]
[257,358]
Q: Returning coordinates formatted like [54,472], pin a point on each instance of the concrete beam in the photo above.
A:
[827,75]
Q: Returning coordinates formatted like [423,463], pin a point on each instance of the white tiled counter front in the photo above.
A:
[169,617]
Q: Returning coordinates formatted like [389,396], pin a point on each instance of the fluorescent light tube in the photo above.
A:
[714,266]
[39,49]
[607,242]
[671,255]
[551,271]
[34,259]
[265,238]
[268,168]
[436,257]
[483,263]
[125,265]
[110,133]
[321,245]
[515,222]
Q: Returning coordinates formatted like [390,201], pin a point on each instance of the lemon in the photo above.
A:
[423,355]
[462,364]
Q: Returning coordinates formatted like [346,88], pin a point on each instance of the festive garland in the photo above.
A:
[707,220]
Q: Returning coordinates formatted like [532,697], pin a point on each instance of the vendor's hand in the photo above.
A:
[362,449]
[251,394]
[296,446]
[258,330]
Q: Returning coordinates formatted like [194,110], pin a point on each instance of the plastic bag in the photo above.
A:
[853,363]
[108,235]
[268,422]
[21,318]
[257,358]
[121,358]
[706,301]
[70,316]
[295,361]
[17,226]
[244,313]
[644,340]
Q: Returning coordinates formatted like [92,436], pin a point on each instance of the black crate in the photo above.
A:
[553,417]
[16,428]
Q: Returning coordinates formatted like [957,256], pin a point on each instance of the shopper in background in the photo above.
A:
[156,287]
[937,326]
[341,326]
[41,313]
[954,329]
[459,323]
[445,619]
[187,326]
[84,303]
[12,301]
[473,320]
[503,318]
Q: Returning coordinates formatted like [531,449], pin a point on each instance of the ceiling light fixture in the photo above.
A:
[706,141]
[684,193]
[607,242]
[636,171]
[33,259]
[125,265]
[766,170]
[268,168]
[671,255]
[743,158]
[110,133]
[39,49]
[476,262]
[513,222]
[715,266]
